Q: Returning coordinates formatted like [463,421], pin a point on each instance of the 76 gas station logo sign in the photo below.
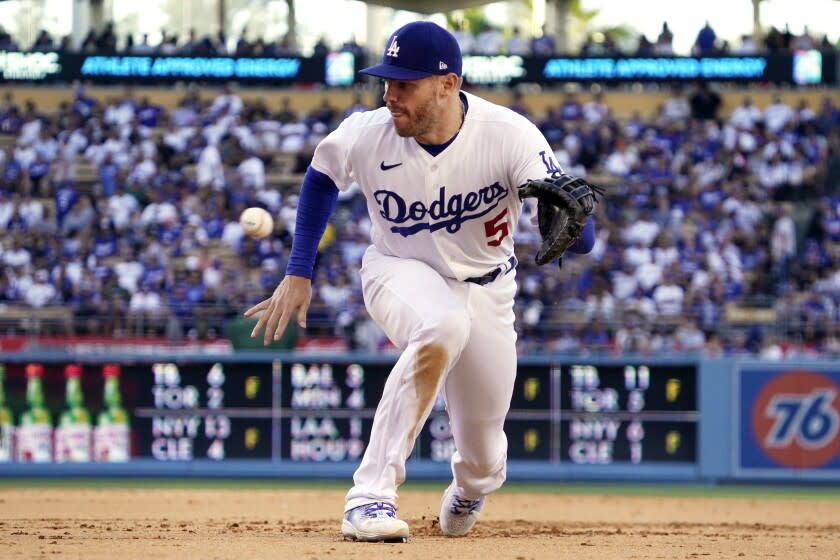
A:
[795,419]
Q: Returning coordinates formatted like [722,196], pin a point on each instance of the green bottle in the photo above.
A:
[111,436]
[73,433]
[35,430]
[6,421]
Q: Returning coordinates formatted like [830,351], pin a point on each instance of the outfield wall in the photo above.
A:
[309,416]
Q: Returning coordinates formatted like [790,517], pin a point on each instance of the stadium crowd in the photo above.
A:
[484,39]
[720,233]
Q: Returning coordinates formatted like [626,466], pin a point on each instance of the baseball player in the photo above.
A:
[443,173]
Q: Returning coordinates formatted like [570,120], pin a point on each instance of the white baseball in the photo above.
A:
[256,222]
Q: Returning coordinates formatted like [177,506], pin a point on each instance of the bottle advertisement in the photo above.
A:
[111,437]
[63,413]
[35,432]
[6,422]
[73,432]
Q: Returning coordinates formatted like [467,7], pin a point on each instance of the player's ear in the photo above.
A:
[449,82]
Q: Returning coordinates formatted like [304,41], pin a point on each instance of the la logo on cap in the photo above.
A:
[393,48]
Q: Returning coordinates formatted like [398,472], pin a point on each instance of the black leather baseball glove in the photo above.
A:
[563,203]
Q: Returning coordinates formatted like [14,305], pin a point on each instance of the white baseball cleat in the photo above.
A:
[374,522]
[457,514]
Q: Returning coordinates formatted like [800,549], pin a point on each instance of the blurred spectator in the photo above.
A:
[44,42]
[746,46]
[227,104]
[645,47]
[668,296]
[599,44]
[544,44]
[358,106]
[704,44]
[106,42]
[783,241]
[600,303]
[88,309]
[7,42]
[325,113]
[571,108]
[705,102]
[146,310]
[286,114]
[489,41]
[774,41]
[664,45]
[517,104]
[596,111]
[465,38]
[364,334]
[80,217]
[40,291]
[352,46]
[746,116]
[321,48]
[516,44]
[803,42]
[689,337]
[633,337]
[143,47]
[285,47]
[777,115]
[158,211]
[209,169]
[676,107]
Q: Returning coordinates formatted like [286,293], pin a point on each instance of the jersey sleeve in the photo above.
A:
[531,156]
[332,154]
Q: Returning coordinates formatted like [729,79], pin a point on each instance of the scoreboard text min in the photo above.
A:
[310,410]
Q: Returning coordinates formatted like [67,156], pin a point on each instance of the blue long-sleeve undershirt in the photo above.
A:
[318,197]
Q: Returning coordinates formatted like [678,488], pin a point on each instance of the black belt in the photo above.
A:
[506,267]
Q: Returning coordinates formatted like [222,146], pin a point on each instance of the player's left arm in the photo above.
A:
[318,197]
[532,159]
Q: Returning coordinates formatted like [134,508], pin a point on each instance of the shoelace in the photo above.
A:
[379,509]
[461,506]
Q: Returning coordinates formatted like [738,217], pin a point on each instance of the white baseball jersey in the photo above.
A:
[461,222]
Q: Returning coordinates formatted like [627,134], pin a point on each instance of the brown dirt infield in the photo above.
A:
[252,524]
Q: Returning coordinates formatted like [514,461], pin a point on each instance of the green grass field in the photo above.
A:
[821,492]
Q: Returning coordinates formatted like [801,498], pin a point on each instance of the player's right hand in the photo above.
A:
[292,295]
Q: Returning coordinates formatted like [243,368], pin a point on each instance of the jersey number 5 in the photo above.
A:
[497,229]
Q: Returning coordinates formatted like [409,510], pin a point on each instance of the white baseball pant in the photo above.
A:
[456,335]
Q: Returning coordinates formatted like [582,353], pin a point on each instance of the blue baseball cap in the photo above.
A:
[418,50]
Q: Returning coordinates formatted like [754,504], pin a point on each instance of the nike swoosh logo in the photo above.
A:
[384,167]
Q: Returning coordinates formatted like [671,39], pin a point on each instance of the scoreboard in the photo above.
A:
[203,410]
[322,410]
[631,413]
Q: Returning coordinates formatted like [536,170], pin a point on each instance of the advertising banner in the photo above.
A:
[808,67]
[789,423]
[334,69]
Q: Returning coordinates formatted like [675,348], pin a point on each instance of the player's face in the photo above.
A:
[415,105]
